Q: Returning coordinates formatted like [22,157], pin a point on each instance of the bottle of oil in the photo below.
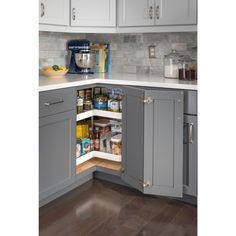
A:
[92,140]
[97,140]
[80,101]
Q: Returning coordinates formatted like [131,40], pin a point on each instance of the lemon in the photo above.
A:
[48,68]
[62,68]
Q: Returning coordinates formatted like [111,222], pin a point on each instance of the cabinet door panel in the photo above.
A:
[93,13]
[163,158]
[190,155]
[56,153]
[136,12]
[176,12]
[133,137]
[54,12]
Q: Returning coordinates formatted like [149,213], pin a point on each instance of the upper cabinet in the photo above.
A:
[136,12]
[93,16]
[54,12]
[100,13]
[157,12]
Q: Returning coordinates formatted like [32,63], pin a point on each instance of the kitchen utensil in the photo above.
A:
[81,58]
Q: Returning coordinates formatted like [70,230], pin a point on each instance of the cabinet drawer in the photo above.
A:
[190,102]
[56,101]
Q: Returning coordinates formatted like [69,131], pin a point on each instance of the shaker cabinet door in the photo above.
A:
[54,12]
[163,143]
[133,137]
[56,152]
[136,12]
[176,12]
[93,13]
[152,157]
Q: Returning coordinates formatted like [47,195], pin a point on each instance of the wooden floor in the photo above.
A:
[113,165]
[100,208]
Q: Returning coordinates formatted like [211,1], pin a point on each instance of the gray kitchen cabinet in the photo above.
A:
[56,152]
[157,12]
[54,12]
[190,155]
[152,157]
[57,122]
[100,13]
[136,12]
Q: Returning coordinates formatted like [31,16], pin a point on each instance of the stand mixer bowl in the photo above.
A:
[85,60]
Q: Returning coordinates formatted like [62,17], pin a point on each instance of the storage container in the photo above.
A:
[171,65]
[116,145]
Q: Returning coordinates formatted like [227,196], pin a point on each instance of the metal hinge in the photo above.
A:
[122,170]
[148,100]
[144,183]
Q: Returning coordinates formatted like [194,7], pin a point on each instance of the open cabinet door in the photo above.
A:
[133,137]
[163,143]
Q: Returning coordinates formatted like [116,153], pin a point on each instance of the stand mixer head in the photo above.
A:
[82,57]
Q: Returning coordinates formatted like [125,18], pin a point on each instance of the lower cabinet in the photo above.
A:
[56,152]
[152,158]
[190,155]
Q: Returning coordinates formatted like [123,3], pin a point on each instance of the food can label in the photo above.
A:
[114,105]
[79,102]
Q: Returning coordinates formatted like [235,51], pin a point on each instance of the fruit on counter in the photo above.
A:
[55,68]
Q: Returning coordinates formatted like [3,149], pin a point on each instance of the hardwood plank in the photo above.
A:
[100,208]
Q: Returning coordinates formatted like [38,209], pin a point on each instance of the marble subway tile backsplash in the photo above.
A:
[129,52]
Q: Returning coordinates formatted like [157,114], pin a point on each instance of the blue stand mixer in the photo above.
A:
[82,57]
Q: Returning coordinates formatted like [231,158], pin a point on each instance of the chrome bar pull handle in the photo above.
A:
[158,12]
[190,133]
[151,12]
[73,13]
[42,9]
[47,104]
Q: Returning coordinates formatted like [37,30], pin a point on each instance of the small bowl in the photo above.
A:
[53,73]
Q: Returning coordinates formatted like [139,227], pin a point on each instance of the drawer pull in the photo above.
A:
[53,103]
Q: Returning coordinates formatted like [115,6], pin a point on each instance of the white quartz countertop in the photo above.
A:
[74,80]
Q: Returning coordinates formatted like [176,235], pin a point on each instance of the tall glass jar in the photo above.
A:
[171,65]
[187,68]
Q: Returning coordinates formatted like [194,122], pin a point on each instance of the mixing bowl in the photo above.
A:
[85,60]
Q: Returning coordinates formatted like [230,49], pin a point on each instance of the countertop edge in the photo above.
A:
[43,88]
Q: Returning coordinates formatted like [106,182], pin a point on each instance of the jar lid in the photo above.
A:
[173,53]
[102,123]
[117,138]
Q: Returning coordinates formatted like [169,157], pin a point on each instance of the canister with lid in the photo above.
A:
[171,64]
[116,144]
[187,68]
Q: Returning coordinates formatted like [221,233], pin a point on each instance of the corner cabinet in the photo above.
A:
[100,13]
[152,158]
[157,12]
[54,12]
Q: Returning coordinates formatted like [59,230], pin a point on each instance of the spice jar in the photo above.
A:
[187,68]
[171,65]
